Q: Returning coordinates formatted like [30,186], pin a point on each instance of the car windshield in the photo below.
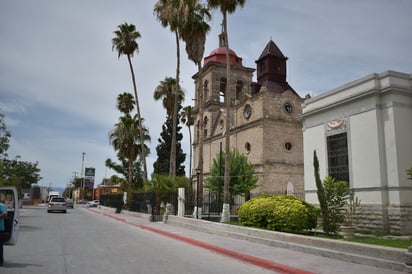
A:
[59,200]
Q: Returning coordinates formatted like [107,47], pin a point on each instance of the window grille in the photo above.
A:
[338,164]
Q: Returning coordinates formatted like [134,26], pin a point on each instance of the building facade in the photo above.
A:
[264,122]
[362,133]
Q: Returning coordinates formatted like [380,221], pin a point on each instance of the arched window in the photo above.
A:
[222,89]
[239,88]
[205,89]
[248,147]
[289,188]
[205,121]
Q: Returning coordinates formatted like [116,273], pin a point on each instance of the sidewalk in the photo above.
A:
[278,259]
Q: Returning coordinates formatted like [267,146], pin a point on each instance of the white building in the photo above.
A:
[362,133]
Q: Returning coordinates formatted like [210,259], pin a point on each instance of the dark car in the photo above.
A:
[69,203]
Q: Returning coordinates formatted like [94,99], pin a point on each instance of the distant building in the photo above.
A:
[264,115]
[362,133]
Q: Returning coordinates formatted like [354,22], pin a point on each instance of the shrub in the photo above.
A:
[278,212]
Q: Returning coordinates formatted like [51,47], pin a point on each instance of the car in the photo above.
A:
[93,203]
[57,204]
[69,203]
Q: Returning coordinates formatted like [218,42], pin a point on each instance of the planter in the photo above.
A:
[348,231]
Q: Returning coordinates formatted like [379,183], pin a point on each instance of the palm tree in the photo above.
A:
[125,139]
[226,6]
[125,43]
[125,103]
[170,13]
[165,92]
[122,137]
[189,121]
[194,32]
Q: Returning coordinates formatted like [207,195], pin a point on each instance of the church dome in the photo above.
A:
[219,55]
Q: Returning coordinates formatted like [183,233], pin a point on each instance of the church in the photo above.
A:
[361,132]
[264,118]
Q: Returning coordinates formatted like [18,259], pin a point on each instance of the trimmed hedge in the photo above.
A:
[278,212]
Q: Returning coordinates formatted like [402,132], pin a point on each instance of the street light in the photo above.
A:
[197,191]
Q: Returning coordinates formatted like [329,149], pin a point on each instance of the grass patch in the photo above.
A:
[398,243]
[374,239]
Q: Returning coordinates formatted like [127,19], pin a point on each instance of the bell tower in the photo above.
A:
[271,65]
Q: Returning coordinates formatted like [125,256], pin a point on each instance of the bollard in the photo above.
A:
[167,212]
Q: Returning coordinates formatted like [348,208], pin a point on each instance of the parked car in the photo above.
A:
[94,203]
[57,204]
[69,203]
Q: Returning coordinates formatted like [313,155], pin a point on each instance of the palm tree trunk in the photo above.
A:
[190,152]
[226,195]
[201,129]
[130,174]
[143,151]
[172,169]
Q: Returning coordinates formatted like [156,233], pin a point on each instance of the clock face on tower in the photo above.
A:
[288,107]
[247,111]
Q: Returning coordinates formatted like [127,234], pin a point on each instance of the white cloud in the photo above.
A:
[59,78]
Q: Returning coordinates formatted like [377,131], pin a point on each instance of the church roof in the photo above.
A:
[219,55]
[271,49]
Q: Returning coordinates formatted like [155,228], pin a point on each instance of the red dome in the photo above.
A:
[219,55]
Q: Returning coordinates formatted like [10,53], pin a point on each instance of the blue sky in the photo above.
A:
[59,78]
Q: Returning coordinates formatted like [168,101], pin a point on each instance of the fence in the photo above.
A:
[154,203]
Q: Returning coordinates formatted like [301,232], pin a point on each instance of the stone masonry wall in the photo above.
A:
[392,219]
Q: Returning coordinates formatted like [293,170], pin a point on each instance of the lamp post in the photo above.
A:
[197,191]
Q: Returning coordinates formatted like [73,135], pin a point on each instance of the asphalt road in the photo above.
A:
[83,242]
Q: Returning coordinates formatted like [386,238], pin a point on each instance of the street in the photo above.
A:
[84,242]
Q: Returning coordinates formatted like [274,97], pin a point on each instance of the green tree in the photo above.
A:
[242,174]
[125,103]
[193,32]
[189,120]
[21,174]
[160,185]
[226,6]
[336,195]
[123,169]
[321,195]
[162,165]
[332,196]
[170,14]
[409,173]
[4,137]
[165,91]
[125,136]
[125,43]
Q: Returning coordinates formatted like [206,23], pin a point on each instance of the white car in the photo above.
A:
[93,203]
[57,204]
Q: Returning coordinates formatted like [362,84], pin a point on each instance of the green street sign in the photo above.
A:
[89,171]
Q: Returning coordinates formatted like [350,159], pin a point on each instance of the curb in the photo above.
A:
[234,254]
[270,265]
[377,256]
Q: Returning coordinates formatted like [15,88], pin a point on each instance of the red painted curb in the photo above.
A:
[234,254]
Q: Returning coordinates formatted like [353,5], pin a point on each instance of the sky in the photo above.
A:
[59,78]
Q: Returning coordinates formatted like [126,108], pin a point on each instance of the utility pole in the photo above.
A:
[82,174]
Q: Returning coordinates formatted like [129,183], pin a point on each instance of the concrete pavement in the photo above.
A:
[280,252]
